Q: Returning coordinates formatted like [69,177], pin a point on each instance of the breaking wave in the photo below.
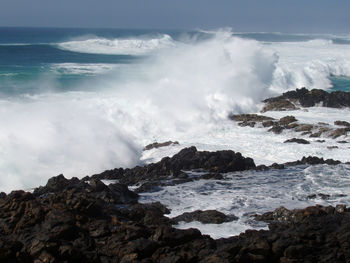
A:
[128,46]
[181,92]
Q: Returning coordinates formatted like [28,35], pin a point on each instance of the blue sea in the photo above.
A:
[79,101]
[29,55]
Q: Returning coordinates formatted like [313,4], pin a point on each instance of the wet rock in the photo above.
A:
[320,141]
[268,123]
[304,128]
[287,120]
[332,147]
[278,105]
[277,166]
[339,132]
[315,135]
[205,217]
[320,195]
[156,145]
[276,129]
[310,98]
[342,142]
[250,118]
[186,159]
[295,140]
[88,223]
[342,123]
[247,123]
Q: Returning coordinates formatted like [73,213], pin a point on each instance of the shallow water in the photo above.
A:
[246,193]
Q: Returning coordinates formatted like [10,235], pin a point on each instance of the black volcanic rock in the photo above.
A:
[156,145]
[205,217]
[310,98]
[75,221]
[186,159]
[296,140]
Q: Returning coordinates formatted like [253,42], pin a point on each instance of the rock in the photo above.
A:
[205,217]
[320,195]
[339,132]
[247,123]
[186,159]
[287,120]
[84,222]
[342,123]
[268,123]
[278,105]
[342,142]
[320,141]
[304,128]
[332,147]
[295,140]
[250,118]
[309,98]
[156,145]
[276,129]
[277,166]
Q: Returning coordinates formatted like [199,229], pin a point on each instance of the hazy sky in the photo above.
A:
[242,15]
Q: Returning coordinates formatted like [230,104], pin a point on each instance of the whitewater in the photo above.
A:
[95,99]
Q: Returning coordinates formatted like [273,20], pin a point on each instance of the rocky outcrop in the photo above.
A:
[156,145]
[307,98]
[278,105]
[186,159]
[75,221]
[296,140]
[291,123]
[87,221]
[205,217]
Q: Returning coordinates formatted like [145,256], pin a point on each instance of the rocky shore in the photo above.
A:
[86,220]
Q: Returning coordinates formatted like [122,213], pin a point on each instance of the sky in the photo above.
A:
[312,16]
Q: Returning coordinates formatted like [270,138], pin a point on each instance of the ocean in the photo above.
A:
[80,101]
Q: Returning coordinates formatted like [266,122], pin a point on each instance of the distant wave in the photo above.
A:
[130,46]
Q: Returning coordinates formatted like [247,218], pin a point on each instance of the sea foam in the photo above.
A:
[183,92]
[128,46]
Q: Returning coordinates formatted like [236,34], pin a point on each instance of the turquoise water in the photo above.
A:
[36,60]
[340,83]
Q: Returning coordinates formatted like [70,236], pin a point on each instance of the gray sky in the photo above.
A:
[242,15]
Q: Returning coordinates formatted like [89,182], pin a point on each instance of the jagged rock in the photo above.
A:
[247,123]
[250,118]
[310,98]
[339,132]
[276,129]
[313,160]
[268,123]
[278,105]
[205,217]
[156,145]
[304,128]
[342,123]
[342,142]
[82,222]
[287,120]
[186,159]
[277,166]
[295,140]
[320,195]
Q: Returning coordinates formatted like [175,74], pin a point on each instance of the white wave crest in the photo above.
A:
[128,46]
[182,93]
